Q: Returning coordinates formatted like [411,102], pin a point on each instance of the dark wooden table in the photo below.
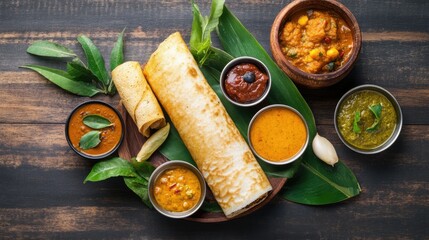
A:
[42,194]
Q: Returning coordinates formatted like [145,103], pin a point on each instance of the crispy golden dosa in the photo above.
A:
[137,97]
[223,156]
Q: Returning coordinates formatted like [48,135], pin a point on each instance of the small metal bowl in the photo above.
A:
[88,156]
[171,165]
[240,60]
[285,161]
[399,118]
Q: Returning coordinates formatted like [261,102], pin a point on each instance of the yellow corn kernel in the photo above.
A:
[332,53]
[303,20]
[315,53]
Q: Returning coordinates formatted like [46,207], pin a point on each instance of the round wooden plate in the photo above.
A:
[131,145]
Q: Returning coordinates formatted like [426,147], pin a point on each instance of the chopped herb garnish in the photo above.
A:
[376,110]
[356,128]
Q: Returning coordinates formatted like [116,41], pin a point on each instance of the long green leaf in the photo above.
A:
[90,140]
[95,60]
[117,54]
[116,59]
[140,187]
[79,72]
[174,149]
[339,183]
[50,49]
[95,121]
[114,167]
[65,81]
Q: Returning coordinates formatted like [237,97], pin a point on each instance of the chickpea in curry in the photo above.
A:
[177,190]
[316,41]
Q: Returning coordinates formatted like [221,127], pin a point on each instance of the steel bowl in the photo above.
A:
[239,60]
[398,126]
[171,165]
[285,161]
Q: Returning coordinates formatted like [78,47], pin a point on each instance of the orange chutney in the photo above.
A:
[316,41]
[177,190]
[277,134]
[110,136]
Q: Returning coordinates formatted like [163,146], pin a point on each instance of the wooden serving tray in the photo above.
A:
[131,145]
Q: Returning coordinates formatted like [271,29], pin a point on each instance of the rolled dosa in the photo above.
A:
[214,142]
[137,97]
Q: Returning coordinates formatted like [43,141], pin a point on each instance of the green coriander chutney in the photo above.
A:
[356,121]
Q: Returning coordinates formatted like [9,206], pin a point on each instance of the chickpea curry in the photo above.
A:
[316,41]
[177,190]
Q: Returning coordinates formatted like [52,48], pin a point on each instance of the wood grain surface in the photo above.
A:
[42,195]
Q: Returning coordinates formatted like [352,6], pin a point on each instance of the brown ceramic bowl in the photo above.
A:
[308,79]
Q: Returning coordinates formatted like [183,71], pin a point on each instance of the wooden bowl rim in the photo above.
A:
[332,5]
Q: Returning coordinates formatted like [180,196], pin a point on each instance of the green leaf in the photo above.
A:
[50,49]
[140,187]
[90,140]
[174,148]
[114,167]
[65,81]
[238,41]
[200,41]
[116,59]
[317,184]
[117,54]
[211,207]
[376,110]
[78,71]
[96,121]
[95,60]
[356,128]
[144,169]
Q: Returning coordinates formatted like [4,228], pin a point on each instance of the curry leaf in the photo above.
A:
[376,110]
[117,54]
[356,121]
[95,60]
[90,140]
[78,71]
[114,167]
[140,187]
[65,81]
[144,169]
[50,49]
[96,121]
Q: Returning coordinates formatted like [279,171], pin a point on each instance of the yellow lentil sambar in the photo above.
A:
[177,189]
[277,134]
[360,103]
[316,41]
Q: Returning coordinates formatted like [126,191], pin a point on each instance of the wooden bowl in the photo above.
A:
[308,79]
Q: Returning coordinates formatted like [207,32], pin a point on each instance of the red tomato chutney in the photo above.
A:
[110,136]
[245,83]
[177,190]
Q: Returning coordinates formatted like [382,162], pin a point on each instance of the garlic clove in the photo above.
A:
[324,150]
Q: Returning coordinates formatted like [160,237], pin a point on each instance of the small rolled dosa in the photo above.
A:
[220,152]
[137,97]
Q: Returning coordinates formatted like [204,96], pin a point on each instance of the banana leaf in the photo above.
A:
[315,182]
